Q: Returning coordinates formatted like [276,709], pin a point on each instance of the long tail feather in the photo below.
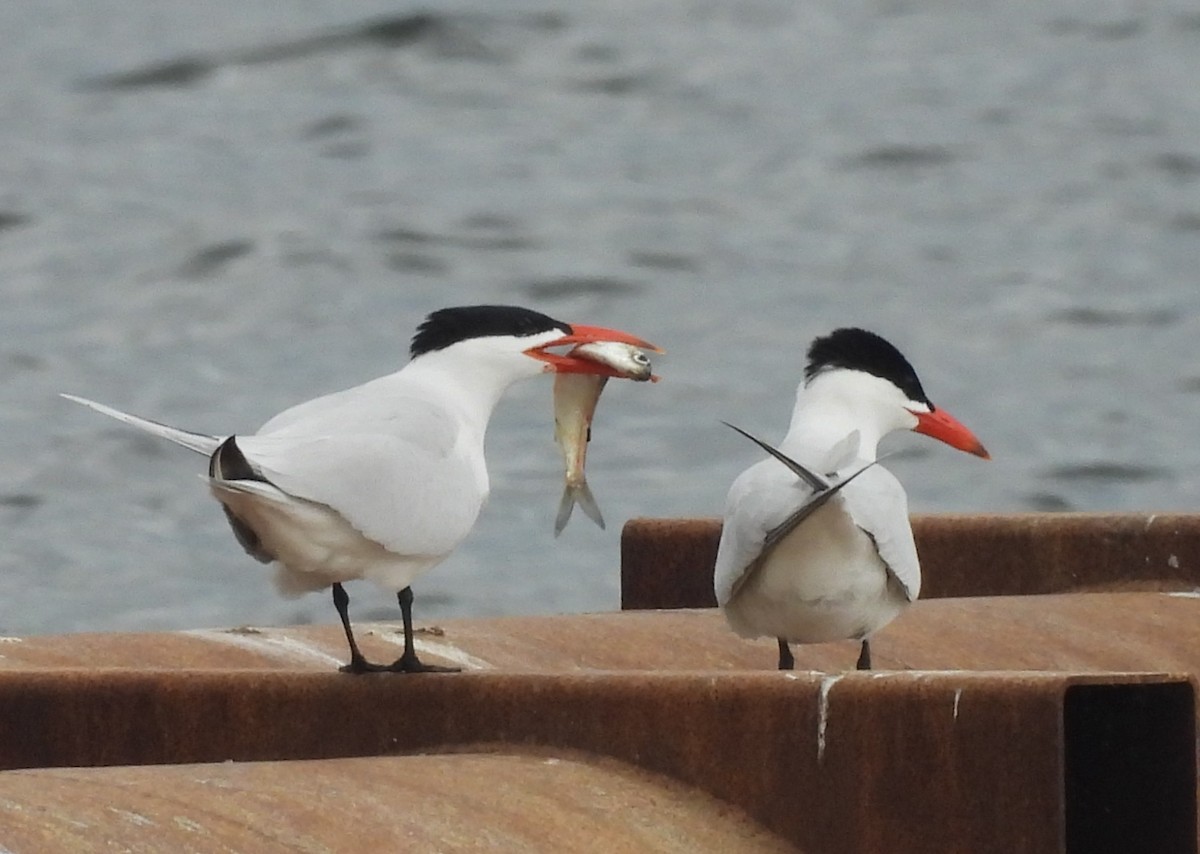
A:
[197,442]
[818,483]
[814,503]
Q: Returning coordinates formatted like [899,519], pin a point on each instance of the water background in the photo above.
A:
[210,211]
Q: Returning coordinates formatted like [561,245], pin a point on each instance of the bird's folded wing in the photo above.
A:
[396,493]
[843,454]
[760,499]
[879,506]
[375,407]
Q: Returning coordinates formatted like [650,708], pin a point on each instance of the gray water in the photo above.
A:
[211,211]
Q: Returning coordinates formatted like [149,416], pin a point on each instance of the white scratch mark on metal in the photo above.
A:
[451,653]
[442,650]
[957,697]
[134,818]
[827,684]
[275,646]
[189,825]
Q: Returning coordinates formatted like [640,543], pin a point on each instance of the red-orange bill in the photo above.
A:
[581,334]
[943,426]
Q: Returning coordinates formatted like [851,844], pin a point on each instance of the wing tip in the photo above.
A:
[814,481]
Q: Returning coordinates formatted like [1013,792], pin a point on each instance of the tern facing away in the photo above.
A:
[382,481]
[816,544]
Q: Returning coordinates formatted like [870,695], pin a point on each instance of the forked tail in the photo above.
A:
[579,494]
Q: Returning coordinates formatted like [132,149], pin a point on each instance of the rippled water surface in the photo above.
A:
[211,211]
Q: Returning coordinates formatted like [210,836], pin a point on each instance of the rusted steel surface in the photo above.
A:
[668,563]
[1039,553]
[1092,632]
[532,801]
[900,762]
[992,724]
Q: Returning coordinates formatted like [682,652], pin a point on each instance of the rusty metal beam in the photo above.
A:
[1092,632]
[668,563]
[862,762]
[516,801]
[997,724]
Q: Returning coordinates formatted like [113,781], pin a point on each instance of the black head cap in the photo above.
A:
[448,326]
[860,350]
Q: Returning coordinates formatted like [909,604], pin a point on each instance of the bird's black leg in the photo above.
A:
[864,656]
[786,662]
[408,662]
[357,664]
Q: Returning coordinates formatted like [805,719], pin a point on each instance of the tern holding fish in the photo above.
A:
[383,481]
[575,399]
[804,558]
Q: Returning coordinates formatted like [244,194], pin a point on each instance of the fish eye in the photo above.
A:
[641,358]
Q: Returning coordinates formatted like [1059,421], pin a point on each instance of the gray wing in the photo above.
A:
[878,504]
[414,496]
[760,499]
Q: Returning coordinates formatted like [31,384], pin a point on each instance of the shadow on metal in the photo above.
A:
[668,563]
[499,800]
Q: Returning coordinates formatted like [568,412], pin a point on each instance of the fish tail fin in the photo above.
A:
[197,442]
[588,502]
[579,494]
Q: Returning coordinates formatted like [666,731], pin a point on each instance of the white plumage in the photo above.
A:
[850,567]
[384,480]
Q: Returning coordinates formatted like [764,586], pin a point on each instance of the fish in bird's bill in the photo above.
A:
[575,399]
[627,361]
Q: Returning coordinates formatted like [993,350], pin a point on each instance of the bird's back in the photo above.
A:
[846,569]
[385,462]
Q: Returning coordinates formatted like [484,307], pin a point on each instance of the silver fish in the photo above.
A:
[627,361]
[575,398]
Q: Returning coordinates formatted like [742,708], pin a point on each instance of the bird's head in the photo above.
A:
[529,341]
[866,373]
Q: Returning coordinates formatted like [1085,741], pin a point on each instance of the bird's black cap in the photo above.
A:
[860,350]
[448,326]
